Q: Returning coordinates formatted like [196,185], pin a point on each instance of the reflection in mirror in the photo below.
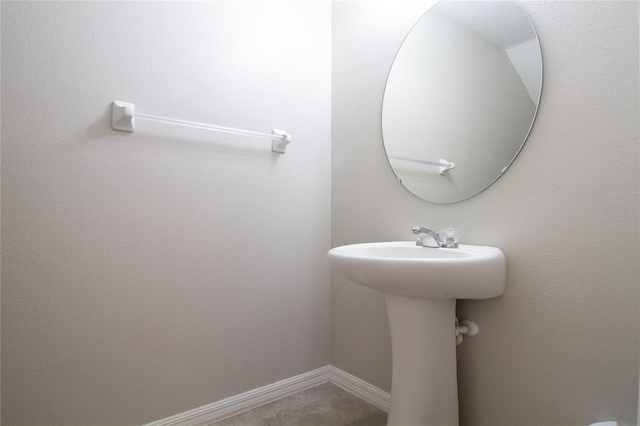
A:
[461,98]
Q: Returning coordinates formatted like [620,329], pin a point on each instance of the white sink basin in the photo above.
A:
[404,269]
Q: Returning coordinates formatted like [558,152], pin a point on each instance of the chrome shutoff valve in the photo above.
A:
[465,328]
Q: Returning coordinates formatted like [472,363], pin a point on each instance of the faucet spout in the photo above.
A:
[419,231]
[449,242]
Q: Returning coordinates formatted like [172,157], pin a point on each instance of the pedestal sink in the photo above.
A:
[421,285]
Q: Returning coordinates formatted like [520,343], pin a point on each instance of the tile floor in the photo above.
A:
[323,405]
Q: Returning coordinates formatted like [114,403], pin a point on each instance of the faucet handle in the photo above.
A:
[450,237]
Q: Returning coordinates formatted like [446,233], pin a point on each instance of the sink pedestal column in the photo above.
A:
[424,388]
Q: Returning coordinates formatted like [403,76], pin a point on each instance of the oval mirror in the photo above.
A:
[461,97]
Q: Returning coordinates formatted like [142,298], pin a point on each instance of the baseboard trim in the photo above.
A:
[363,390]
[246,401]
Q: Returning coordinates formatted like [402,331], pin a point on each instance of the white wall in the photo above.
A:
[561,345]
[129,262]
[150,273]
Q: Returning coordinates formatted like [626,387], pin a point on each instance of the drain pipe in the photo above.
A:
[465,328]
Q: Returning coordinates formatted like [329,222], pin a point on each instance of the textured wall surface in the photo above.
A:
[146,274]
[150,273]
[561,345]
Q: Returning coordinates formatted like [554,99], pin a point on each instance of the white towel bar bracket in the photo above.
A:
[280,144]
[123,115]
[445,168]
[443,165]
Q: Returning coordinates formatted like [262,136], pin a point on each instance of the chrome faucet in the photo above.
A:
[449,237]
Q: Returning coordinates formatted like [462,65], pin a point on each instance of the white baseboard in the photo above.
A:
[246,401]
[360,388]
